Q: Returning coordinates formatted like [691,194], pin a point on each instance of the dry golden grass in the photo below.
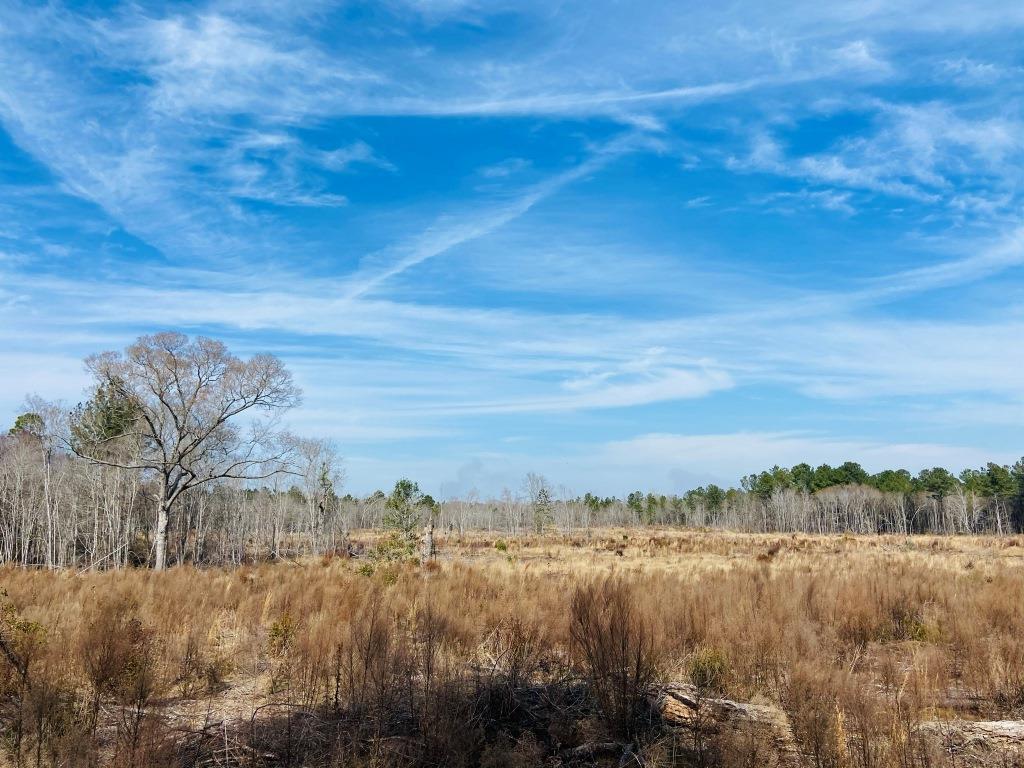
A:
[482,657]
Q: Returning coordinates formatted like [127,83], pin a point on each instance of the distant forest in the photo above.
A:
[59,509]
[157,468]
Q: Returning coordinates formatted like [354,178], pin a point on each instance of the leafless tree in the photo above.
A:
[322,479]
[187,398]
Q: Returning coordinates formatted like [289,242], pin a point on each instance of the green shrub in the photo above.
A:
[282,634]
[709,670]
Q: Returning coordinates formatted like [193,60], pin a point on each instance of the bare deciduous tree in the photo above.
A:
[322,478]
[187,397]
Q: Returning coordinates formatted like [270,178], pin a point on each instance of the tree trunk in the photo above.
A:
[428,540]
[163,515]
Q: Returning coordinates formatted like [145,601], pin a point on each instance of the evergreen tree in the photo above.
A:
[403,514]
[28,424]
[543,510]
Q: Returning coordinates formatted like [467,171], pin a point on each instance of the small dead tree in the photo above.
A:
[429,547]
[186,399]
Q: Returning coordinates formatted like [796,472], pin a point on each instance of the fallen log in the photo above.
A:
[979,743]
[682,706]
[970,743]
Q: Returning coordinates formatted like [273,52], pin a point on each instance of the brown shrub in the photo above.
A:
[614,645]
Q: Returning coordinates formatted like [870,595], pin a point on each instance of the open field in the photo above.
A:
[544,650]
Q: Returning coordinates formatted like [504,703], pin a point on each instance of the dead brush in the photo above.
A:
[116,651]
[614,646]
[860,646]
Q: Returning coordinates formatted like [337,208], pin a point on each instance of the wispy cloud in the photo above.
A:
[208,63]
[505,168]
[450,232]
[990,258]
[461,222]
[923,152]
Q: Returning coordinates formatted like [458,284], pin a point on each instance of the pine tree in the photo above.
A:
[403,512]
[543,510]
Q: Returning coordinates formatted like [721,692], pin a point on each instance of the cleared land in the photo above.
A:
[660,647]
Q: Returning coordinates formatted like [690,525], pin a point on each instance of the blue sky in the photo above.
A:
[626,245]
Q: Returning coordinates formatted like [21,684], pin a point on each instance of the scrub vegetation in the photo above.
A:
[532,650]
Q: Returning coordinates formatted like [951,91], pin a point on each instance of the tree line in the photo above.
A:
[177,457]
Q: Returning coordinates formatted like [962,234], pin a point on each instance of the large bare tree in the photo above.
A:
[192,412]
